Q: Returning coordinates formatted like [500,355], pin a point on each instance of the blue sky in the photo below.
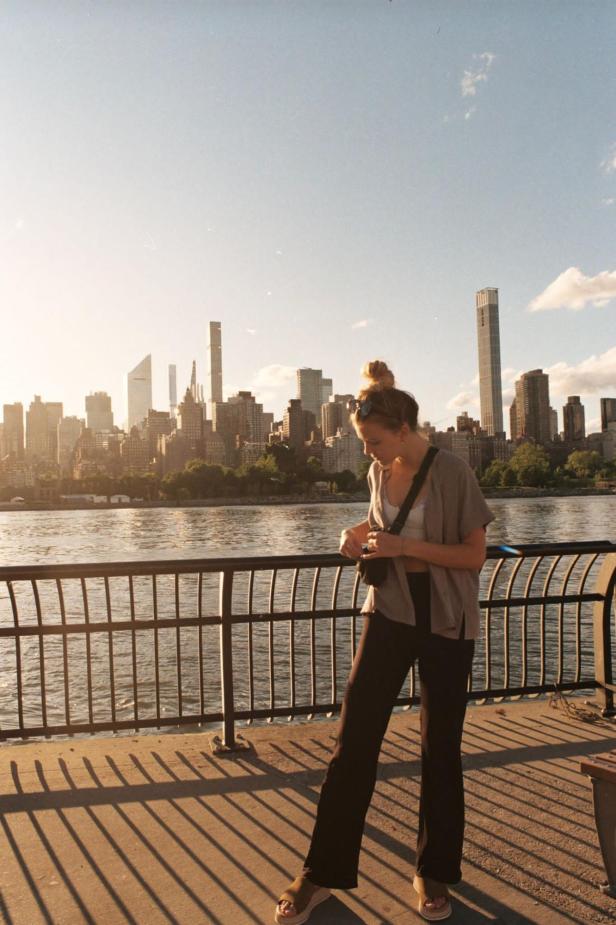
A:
[332,181]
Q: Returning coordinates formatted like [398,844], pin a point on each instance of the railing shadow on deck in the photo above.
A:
[173,818]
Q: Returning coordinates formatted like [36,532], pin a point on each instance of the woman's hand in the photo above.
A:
[383,545]
[350,544]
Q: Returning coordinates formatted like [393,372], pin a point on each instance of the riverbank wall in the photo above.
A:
[257,501]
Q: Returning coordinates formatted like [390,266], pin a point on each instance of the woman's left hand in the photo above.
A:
[383,545]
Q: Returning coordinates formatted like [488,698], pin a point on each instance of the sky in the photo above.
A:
[332,181]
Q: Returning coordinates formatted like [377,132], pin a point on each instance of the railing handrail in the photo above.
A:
[260,563]
[561,590]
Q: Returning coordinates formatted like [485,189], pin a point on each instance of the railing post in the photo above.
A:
[602,620]
[229,741]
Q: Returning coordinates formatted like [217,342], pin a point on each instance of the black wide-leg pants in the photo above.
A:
[385,653]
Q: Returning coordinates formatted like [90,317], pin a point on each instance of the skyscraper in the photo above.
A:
[574,423]
[42,420]
[293,424]
[335,416]
[488,346]
[14,429]
[311,388]
[173,389]
[69,431]
[139,391]
[214,357]
[608,411]
[532,407]
[98,412]
[190,418]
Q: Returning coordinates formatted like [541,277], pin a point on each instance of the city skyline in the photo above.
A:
[331,188]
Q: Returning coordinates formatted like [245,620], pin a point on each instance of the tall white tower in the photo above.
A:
[173,389]
[139,391]
[214,361]
[488,348]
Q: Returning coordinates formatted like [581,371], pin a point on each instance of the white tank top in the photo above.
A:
[414,526]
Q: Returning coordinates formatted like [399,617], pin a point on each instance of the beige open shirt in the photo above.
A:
[454,507]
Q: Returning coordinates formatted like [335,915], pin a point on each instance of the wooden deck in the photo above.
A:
[156,829]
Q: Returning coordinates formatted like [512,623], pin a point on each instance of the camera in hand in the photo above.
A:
[372,571]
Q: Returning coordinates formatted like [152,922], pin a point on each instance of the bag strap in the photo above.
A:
[418,480]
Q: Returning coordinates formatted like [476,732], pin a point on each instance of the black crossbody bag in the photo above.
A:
[374,571]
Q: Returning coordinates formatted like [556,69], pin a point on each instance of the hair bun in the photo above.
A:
[379,375]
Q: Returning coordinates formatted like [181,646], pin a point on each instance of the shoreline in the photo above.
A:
[285,500]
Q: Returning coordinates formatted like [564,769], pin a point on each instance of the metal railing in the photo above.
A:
[136,645]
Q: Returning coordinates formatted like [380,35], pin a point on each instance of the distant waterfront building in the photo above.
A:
[135,452]
[195,388]
[574,423]
[215,453]
[608,412]
[608,441]
[98,411]
[13,431]
[335,416]
[139,392]
[553,423]
[488,345]
[344,451]
[214,356]
[250,424]
[466,423]
[513,420]
[42,429]
[293,424]
[267,419]
[250,453]
[173,389]
[157,423]
[190,418]
[327,387]
[310,390]
[531,416]
[69,430]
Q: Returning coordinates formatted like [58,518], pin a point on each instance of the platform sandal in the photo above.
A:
[299,894]
[427,890]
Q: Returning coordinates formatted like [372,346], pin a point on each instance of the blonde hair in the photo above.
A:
[382,402]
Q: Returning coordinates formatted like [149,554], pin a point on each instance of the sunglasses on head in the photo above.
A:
[361,408]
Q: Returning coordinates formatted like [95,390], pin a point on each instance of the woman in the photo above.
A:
[426,610]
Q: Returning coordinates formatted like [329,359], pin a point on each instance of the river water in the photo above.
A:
[29,538]
[179,671]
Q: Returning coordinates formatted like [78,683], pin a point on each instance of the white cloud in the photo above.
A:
[608,165]
[475,381]
[593,426]
[470,112]
[274,376]
[595,374]
[477,74]
[508,396]
[228,389]
[609,201]
[509,374]
[574,290]
[362,324]
[250,331]
[461,400]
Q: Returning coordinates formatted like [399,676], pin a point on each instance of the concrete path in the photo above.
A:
[156,829]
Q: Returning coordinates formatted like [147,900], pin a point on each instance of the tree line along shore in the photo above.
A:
[278,477]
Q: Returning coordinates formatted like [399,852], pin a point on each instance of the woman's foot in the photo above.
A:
[297,902]
[434,903]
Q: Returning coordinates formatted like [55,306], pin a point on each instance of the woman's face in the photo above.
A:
[380,443]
